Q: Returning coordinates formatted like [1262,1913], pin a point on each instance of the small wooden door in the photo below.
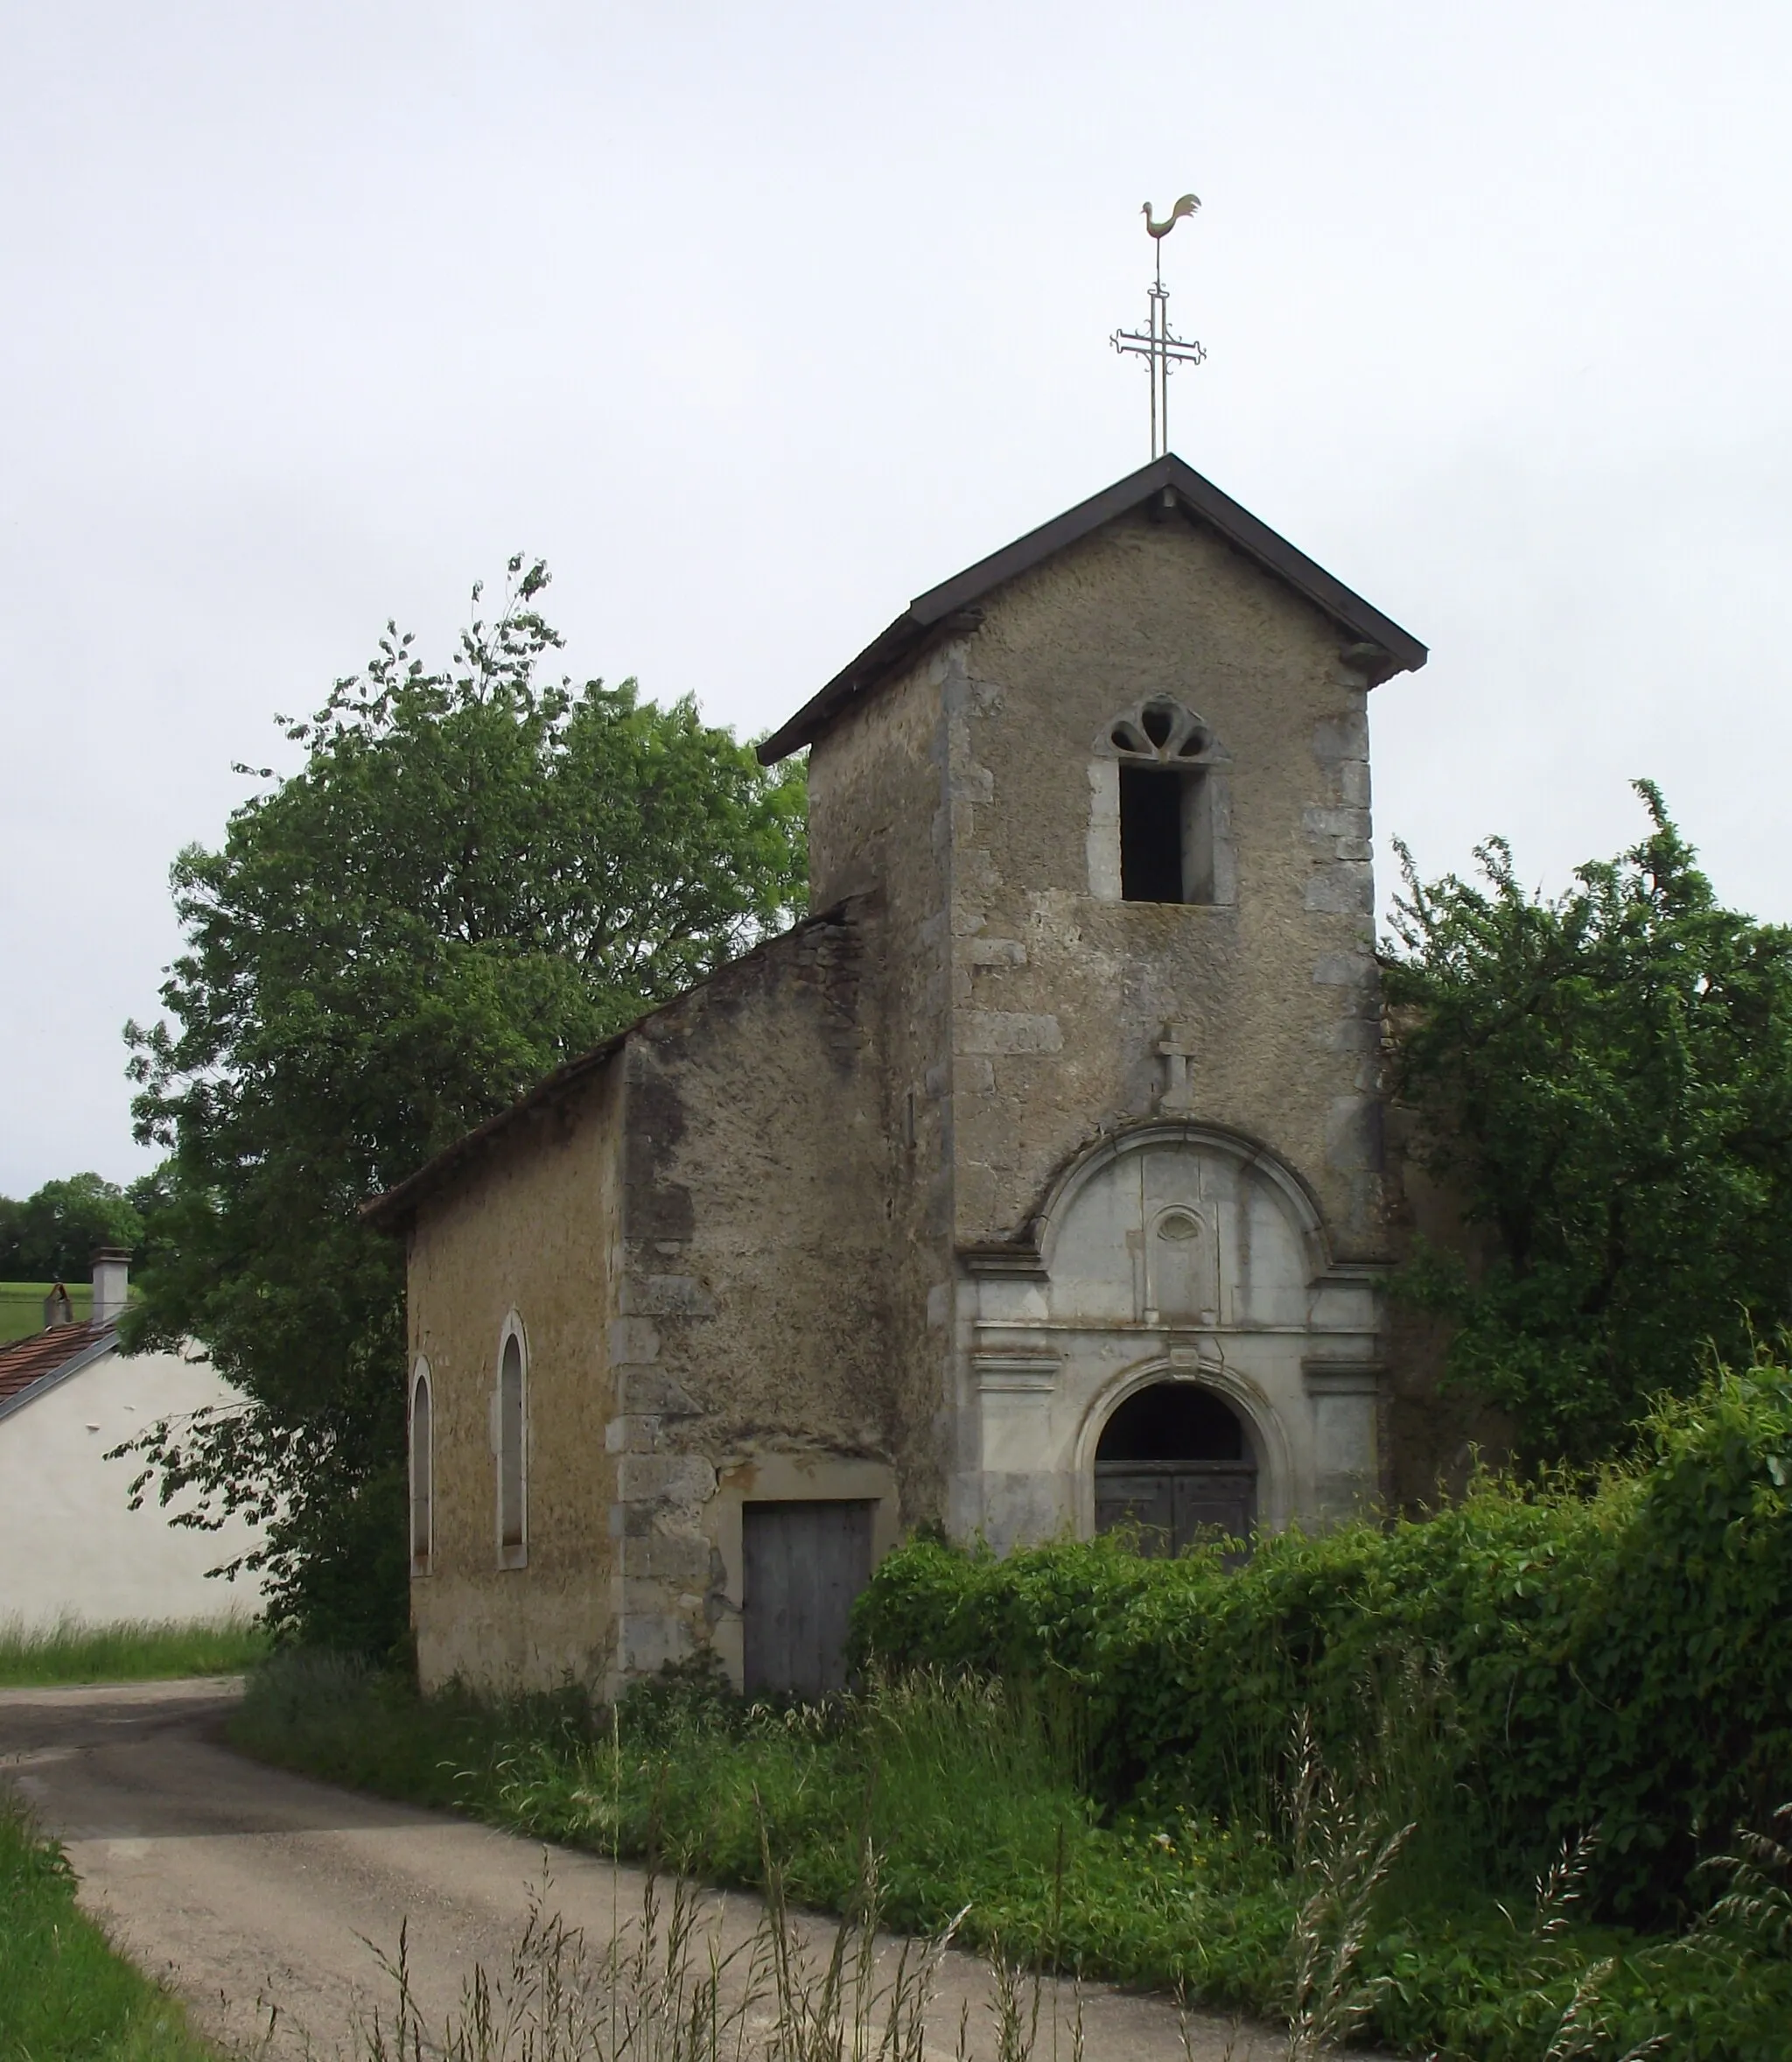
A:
[1172,1503]
[804,1565]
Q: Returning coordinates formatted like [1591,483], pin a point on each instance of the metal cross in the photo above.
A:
[1156,344]
[1177,1047]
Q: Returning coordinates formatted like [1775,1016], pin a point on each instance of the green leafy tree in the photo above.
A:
[1606,1081]
[476,873]
[53,1235]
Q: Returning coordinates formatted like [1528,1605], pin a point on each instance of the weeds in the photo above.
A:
[663,1988]
[1342,1853]
[969,1795]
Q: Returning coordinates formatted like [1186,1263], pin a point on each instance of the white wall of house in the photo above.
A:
[70,1546]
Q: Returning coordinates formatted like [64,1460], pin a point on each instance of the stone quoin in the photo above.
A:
[1034,1184]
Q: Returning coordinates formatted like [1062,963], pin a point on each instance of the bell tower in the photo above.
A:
[1110,789]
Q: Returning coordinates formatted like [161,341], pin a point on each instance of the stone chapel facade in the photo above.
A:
[1033,1185]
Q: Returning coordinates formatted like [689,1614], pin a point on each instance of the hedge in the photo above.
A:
[1533,1662]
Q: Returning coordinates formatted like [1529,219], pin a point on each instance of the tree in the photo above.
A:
[1606,1079]
[475,874]
[53,1235]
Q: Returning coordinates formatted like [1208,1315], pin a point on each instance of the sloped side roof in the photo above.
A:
[41,1360]
[393,1209]
[953,606]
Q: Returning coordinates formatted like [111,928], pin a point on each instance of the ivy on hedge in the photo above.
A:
[1615,1656]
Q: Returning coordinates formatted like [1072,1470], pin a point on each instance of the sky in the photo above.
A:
[755,322]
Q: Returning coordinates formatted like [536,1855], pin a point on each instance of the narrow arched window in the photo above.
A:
[511,1428]
[422,1473]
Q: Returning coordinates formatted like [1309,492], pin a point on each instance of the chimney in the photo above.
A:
[111,1284]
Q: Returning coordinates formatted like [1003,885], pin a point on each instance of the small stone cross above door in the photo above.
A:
[1176,1097]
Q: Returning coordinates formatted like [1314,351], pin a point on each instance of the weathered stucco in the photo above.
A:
[753,1236]
[871,1213]
[535,1240]
[1047,1018]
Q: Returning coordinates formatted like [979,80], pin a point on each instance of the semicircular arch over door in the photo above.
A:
[1174,1465]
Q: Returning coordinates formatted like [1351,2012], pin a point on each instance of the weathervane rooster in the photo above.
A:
[1186,204]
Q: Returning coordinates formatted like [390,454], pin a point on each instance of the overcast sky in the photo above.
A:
[756,321]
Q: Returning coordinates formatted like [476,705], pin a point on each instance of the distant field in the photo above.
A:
[137,1650]
[22,1306]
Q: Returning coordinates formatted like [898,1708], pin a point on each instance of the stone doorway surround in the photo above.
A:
[1056,1330]
[783,1478]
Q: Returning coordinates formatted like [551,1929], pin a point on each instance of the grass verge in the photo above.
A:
[133,1650]
[972,1795]
[65,1996]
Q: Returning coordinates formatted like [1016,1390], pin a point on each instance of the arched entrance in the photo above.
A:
[1174,1462]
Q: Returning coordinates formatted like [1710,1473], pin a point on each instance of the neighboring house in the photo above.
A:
[1034,1186]
[70,1546]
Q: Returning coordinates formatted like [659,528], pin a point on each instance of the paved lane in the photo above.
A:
[247,1889]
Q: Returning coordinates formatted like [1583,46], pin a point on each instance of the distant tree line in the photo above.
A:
[53,1235]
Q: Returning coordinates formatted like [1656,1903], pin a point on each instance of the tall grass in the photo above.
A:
[65,1996]
[130,1650]
[1326,1915]
[663,1987]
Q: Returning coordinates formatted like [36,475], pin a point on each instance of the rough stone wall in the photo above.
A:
[750,1318]
[880,820]
[534,1232]
[1060,996]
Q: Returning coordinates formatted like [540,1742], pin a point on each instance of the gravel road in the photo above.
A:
[246,1889]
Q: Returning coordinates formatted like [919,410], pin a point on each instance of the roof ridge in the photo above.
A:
[952,605]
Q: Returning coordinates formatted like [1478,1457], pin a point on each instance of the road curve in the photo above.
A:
[252,1892]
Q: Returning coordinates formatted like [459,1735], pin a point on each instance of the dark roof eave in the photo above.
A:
[393,1210]
[952,606]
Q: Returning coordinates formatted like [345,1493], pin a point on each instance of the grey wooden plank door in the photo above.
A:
[1172,1503]
[804,1565]
[1213,1497]
[1144,1502]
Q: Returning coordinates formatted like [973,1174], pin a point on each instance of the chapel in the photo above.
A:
[1032,1186]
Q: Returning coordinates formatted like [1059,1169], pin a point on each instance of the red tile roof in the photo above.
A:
[28,1360]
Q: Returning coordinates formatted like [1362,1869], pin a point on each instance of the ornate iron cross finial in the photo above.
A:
[1156,344]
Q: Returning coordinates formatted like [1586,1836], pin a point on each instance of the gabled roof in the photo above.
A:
[29,1366]
[953,606]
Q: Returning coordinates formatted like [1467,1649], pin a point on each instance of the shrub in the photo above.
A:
[1607,1655]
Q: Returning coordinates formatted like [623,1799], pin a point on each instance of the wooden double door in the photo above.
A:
[804,1564]
[1170,1504]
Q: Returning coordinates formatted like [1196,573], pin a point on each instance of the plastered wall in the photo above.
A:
[1060,996]
[753,1314]
[70,1546]
[1044,1021]
[881,825]
[536,1238]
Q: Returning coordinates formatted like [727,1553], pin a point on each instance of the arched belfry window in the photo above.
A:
[423,1472]
[1161,798]
[510,1442]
